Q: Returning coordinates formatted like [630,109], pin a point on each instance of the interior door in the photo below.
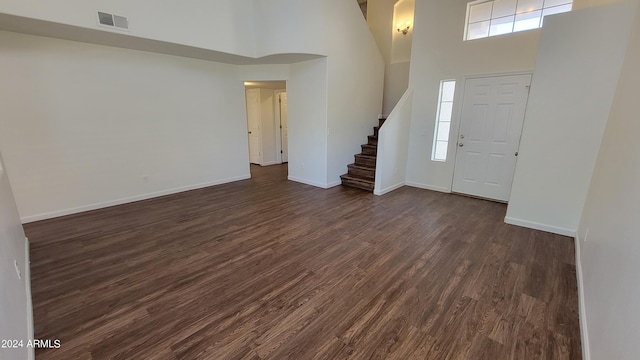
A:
[491,124]
[253,126]
[283,127]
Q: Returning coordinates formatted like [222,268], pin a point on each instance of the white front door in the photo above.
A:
[253,126]
[283,127]
[490,128]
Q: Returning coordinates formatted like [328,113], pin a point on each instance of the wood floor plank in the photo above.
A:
[271,269]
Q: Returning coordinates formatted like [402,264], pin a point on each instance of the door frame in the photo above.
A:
[246,92]
[460,107]
[277,117]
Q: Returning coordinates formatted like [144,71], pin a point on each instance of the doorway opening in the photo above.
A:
[267,123]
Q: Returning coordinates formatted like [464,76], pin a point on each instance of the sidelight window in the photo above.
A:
[443,120]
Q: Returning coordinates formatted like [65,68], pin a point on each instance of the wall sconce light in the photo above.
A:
[404,29]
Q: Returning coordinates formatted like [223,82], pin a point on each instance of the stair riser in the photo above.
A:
[368,173]
[362,174]
[365,162]
[359,185]
[369,151]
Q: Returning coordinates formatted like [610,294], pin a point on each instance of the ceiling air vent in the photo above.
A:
[111,20]
[105,19]
[121,22]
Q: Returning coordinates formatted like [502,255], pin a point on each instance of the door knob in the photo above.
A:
[249,132]
[461,144]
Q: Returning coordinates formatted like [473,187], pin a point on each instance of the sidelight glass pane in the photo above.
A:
[443,131]
[443,120]
[441,151]
[448,88]
[446,109]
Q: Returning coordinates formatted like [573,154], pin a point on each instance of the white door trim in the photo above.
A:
[276,107]
[490,193]
[481,76]
[284,131]
[259,125]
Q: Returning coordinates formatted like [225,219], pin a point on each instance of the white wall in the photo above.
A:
[396,80]
[289,26]
[396,75]
[307,110]
[572,89]
[356,81]
[584,4]
[608,234]
[393,138]
[401,43]
[270,72]
[354,72]
[174,134]
[14,293]
[380,19]
[306,84]
[221,25]
[84,123]
[307,115]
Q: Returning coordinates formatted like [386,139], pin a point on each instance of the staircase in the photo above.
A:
[362,173]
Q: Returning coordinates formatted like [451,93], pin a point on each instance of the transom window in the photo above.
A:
[497,17]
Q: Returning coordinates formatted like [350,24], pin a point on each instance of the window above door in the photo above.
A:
[497,17]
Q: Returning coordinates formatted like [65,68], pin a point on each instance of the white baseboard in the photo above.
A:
[389,189]
[58,213]
[542,227]
[428,187]
[584,334]
[31,355]
[270,163]
[335,183]
[309,182]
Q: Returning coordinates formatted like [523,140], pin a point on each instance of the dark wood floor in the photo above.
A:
[270,269]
